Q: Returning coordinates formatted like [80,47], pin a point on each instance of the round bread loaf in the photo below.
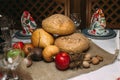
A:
[58,24]
[74,43]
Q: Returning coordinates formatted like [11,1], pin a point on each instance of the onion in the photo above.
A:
[36,54]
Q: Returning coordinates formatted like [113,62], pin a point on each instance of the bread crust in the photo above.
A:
[74,43]
[58,24]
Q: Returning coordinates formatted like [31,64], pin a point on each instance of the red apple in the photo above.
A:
[18,45]
[62,60]
[118,78]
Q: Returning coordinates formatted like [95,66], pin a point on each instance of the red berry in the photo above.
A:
[18,45]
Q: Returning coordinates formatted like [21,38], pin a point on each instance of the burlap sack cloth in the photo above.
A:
[47,71]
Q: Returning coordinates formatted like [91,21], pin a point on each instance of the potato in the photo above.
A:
[49,52]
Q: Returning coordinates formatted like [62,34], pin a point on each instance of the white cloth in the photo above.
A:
[108,72]
[23,40]
[14,39]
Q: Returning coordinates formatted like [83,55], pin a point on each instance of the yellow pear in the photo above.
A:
[41,38]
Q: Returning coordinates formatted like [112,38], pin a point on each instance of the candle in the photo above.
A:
[118,44]
[118,40]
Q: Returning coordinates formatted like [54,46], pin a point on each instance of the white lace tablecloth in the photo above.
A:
[109,72]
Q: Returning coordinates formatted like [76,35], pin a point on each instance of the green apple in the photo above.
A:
[15,52]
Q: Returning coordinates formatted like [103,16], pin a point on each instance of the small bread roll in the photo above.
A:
[58,24]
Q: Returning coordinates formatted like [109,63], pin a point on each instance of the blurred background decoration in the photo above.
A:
[43,8]
[40,9]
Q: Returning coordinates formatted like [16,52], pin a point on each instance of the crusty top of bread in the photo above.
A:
[58,24]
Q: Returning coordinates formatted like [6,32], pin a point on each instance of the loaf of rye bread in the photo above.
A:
[74,43]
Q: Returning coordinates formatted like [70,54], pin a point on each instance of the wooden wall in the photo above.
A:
[84,7]
[39,9]
[75,6]
[79,6]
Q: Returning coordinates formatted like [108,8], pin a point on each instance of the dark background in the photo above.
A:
[15,8]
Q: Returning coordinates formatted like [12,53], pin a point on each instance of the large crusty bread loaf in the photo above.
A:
[58,24]
[74,43]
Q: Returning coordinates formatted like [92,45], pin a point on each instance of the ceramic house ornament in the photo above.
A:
[98,23]
[28,23]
